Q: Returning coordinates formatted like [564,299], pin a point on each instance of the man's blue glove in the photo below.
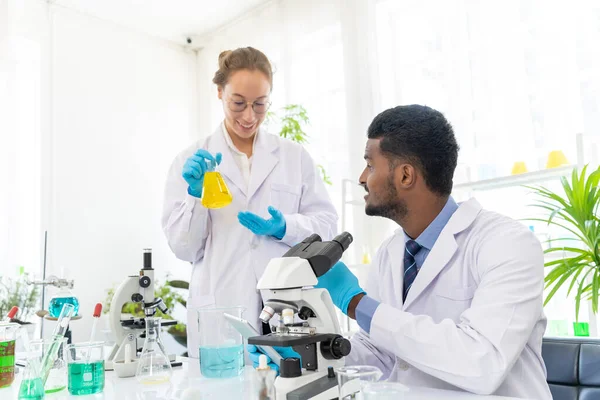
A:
[274,226]
[341,284]
[285,352]
[194,169]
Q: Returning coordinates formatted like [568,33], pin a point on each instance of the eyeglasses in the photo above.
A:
[258,106]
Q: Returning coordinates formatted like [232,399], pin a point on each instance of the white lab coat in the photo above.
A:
[473,318]
[228,258]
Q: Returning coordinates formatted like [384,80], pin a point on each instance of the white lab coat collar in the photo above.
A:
[230,142]
[443,249]
[264,159]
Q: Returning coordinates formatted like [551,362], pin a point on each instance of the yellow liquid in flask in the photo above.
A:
[215,193]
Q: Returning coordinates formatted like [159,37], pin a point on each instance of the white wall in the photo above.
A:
[122,107]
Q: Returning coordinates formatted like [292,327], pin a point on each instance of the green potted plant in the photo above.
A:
[16,292]
[169,296]
[291,120]
[574,210]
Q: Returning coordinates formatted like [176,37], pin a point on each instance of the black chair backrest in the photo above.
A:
[573,366]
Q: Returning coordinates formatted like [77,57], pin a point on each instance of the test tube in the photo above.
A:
[63,319]
[59,332]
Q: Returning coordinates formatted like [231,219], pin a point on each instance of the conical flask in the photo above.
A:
[215,193]
[154,366]
[32,387]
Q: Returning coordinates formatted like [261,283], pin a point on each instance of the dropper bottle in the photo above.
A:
[264,380]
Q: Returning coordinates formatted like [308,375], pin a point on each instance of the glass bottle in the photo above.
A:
[215,193]
[154,365]
[64,296]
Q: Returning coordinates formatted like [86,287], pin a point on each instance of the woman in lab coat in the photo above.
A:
[278,196]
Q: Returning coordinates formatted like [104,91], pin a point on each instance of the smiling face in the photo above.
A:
[244,87]
[382,181]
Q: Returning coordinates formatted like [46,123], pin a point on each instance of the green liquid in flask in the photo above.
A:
[31,389]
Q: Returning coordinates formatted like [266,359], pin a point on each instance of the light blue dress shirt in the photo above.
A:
[367,306]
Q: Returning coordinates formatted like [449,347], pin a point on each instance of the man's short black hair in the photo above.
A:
[420,135]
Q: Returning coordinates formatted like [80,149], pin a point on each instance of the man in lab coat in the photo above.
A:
[454,297]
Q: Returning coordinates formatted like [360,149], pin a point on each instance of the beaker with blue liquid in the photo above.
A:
[221,345]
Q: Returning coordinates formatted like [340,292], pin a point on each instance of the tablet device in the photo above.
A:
[248,331]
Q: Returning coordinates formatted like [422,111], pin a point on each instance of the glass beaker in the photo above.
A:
[221,345]
[57,376]
[215,193]
[8,333]
[352,379]
[86,368]
[153,366]
[64,296]
[384,391]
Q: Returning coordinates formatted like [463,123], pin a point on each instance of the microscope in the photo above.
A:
[287,284]
[137,289]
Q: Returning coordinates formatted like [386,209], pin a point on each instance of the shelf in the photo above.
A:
[526,178]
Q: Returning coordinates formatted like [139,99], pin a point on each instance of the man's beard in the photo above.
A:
[392,207]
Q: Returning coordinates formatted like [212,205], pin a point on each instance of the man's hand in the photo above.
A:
[342,286]
[285,352]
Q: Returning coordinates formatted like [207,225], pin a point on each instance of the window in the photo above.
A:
[317,82]
[20,154]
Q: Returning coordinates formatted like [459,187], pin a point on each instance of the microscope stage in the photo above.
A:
[274,339]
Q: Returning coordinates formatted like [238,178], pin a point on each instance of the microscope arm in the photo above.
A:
[122,295]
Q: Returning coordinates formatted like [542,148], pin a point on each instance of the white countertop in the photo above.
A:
[189,376]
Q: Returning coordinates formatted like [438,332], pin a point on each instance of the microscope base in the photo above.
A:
[311,385]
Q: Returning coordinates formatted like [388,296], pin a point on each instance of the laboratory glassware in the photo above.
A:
[57,376]
[221,345]
[351,380]
[62,297]
[384,391]
[153,366]
[32,386]
[215,193]
[85,368]
[61,327]
[8,335]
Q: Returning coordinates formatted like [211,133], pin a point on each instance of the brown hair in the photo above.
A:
[248,58]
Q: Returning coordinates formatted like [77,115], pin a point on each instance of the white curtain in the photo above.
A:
[22,105]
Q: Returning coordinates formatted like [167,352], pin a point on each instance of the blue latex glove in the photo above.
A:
[285,352]
[341,284]
[274,226]
[195,167]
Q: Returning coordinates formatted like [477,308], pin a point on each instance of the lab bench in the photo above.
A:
[188,376]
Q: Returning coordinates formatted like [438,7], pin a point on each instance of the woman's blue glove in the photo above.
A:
[274,226]
[285,352]
[194,169]
[341,284]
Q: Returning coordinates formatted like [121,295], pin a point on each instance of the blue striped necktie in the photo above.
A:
[410,265]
